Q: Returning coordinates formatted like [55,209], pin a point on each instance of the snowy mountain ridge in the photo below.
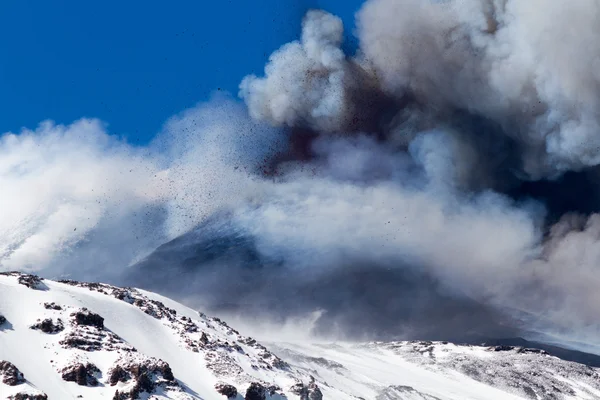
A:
[69,340]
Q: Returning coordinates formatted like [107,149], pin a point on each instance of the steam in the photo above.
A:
[425,155]
[76,197]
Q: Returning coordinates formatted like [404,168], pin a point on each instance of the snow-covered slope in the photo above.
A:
[68,340]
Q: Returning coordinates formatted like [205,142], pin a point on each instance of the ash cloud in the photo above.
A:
[426,187]
[489,122]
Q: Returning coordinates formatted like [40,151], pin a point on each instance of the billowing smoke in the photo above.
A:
[440,183]
[79,201]
[485,98]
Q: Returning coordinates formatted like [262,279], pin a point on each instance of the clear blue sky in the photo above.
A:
[135,63]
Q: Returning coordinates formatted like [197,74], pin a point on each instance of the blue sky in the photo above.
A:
[132,63]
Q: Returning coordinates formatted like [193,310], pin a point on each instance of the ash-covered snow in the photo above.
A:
[69,340]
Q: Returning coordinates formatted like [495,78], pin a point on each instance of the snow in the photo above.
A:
[368,370]
[33,351]
[342,371]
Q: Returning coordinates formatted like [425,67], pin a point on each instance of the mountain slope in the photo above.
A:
[222,267]
[68,340]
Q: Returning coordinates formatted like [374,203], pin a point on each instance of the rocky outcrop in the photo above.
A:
[143,374]
[226,390]
[52,306]
[256,391]
[88,318]
[10,374]
[2,320]
[48,326]
[31,281]
[87,332]
[28,396]
[82,374]
[403,392]
[307,392]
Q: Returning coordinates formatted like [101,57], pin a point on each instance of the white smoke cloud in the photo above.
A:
[59,182]
[76,191]
[371,208]
[418,193]
[304,80]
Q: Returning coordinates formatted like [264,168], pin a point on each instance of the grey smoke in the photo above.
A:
[402,219]
[526,71]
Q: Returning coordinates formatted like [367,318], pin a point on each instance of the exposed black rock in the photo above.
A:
[226,390]
[82,374]
[118,374]
[31,281]
[273,389]
[52,306]
[401,392]
[48,326]
[27,396]
[147,375]
[88,318]
[300,389]
[307,392]
[526,346]
[256,391]
[314,392]
[2,320]
[204,338]
[502,348]
[10,374]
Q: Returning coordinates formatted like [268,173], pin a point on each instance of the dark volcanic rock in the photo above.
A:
[118,374]
[314,393]
[82,374]
[147,375]
[300,389]
[256,391]
[402,392]
[27,396]
[31,281]
[52,306]
[2,320]
[86,317]
[48,326]
[226,390]
[503,348]
[307,392]
[10,374]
